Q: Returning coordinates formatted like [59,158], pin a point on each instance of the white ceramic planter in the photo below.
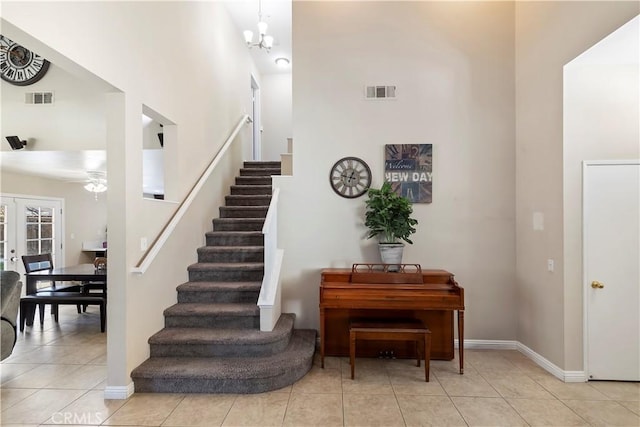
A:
[391,253]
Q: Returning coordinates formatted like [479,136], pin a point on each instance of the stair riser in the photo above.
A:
[218,350]
[259,171]
[231,256]
[239,386]
[251,190]
[253,200]
[226,276]
[243,212]
[262,165]
[228,224]
[219,297]
[203,321]
[235,240]
[253,180]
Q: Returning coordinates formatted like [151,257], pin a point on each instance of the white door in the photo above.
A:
[611,239]
[29,226]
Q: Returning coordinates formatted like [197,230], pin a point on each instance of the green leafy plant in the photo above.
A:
[388,215]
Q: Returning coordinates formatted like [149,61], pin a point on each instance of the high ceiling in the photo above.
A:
[277,15]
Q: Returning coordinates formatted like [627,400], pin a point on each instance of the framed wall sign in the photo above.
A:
[409,169]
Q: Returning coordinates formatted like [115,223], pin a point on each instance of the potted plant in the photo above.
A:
[388,216]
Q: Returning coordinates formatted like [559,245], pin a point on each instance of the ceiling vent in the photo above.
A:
[38,98]
[380,92]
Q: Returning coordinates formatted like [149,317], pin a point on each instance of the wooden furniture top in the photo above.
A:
[438,290]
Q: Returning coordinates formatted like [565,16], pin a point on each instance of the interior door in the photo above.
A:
[611,239]
[29,227]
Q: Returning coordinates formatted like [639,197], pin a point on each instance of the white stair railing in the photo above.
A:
[269,299]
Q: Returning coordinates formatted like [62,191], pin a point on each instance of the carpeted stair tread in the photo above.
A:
[219,286]
[231,248]
[189,309]
[262,164]
[230,266]
[228,374]
[187,336]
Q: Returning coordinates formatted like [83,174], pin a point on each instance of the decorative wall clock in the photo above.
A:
[350,177]
[19,65]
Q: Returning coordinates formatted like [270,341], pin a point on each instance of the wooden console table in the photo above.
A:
[346,295]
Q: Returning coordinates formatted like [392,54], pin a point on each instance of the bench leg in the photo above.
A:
[103,316]
[427,354]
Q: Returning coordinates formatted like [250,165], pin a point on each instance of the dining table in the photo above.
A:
[84,273]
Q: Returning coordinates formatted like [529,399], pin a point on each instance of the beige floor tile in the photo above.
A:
[369,380]
[83,377]
[40,406]
[41,376]
[489,361]
[517,385]
[487,411]
[145,409]
[633,406]
[90,409]
[545,412]
[11,371]
[321,410]
[201,410]
[371,410]
[264,409]
[319,380]
[469,384]
[411,381]
[618,390]
[567,391]
[451,367]
[429,411]
[11,396]
[604,413]
[330,362]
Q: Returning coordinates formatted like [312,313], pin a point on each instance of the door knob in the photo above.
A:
[14,259]
[596,285]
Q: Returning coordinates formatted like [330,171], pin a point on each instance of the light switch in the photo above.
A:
[538,221]
[143,244]
[550,265]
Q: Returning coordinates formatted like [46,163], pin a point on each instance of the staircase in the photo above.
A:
[211,342]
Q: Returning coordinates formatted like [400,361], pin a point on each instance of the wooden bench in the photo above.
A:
[391,331]
[29,302]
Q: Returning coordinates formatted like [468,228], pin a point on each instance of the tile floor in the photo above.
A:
[56,375]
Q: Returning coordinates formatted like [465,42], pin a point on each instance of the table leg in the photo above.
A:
[461,339]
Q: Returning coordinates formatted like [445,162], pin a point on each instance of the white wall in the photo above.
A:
[276,99]
[190,65]
[455,90]
[548,36]
[75,121]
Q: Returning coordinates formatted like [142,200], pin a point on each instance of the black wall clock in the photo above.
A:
[19,65]
[350,177]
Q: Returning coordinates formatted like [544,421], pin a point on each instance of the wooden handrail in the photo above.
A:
[153,250]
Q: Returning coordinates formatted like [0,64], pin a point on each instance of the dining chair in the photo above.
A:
[41,262]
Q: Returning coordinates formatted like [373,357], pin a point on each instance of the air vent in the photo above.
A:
[380,92]
[38,98]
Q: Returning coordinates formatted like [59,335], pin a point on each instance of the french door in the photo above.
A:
[29,226]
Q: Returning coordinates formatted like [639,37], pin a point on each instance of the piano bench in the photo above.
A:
[391,331]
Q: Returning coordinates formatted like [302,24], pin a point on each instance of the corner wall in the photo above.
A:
[548,36]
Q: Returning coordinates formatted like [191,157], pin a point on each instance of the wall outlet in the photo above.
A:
[550,265]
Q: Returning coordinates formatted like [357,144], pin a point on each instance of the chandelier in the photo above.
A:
[264,41]
[97,183]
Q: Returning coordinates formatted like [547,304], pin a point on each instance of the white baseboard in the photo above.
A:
[566,376]
[119,392]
